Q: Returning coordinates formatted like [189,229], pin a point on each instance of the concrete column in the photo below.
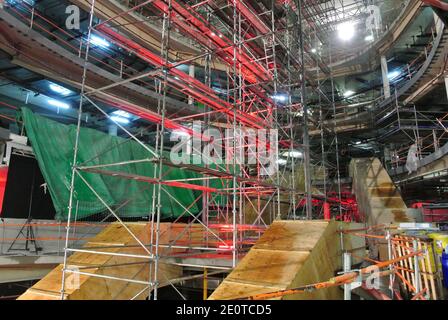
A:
[191,74]
[385,74]
[113,129]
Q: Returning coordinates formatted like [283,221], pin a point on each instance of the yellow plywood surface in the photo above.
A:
[281,264]
[96,288]
[290,254]
[376,194]
[229,290]
[291,235]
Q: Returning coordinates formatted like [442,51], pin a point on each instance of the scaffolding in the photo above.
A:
[265,85]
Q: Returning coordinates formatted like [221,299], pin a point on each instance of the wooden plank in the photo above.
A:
[376,193]
[95,288]
[290,254]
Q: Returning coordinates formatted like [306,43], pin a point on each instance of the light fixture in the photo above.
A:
[314,50]
[393,75]
[213,34]
[293,154]
[14,2]
[280,97]
[369,38]
[98,41]
[58,104]
[346,31]
[282,162]
[121,113]
[59,89]
[358,143]
[348,93]
[120,119]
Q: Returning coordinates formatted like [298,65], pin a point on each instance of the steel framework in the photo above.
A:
[267,50]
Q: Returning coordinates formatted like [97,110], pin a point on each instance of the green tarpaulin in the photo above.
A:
[53,144]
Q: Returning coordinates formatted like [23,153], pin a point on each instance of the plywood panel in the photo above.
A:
[229,290]
[281,264]
[290,254]
[376,194]
[91,287]
[291,236]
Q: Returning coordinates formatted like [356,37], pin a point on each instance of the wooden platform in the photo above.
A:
[376,194]
[291,254]
[94,288]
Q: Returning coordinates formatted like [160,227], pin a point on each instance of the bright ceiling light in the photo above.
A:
[282,162]
[120,119]
[58,104]
[358,143]
[393,75]
[293,154]
[314,50]
[348,93]
[280,97]
[123,114]
[369,38]
[98,41]
[58,89]
[346,31]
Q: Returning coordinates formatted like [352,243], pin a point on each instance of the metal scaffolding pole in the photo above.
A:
[75,153]
[306,137]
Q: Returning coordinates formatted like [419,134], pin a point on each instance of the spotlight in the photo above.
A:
[348,93]
[393,75]
[58,89]
[293,154]
[58,104]
[121,113]
[120,119]
[282,162]
[98,41]
[280,97]
[346,31]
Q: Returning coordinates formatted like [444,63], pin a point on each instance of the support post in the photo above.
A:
[347,268]
[306,136]
[385,75]
[446,85]
[191,72]
[389,257]
[205,285]
[417,279]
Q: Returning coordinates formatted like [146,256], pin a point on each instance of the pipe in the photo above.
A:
[437,3]
[334,282]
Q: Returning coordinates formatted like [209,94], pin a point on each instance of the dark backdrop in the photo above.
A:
[24,194]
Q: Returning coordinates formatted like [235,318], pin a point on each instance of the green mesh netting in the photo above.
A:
[53,144]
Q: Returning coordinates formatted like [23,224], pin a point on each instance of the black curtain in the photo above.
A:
[24,196]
